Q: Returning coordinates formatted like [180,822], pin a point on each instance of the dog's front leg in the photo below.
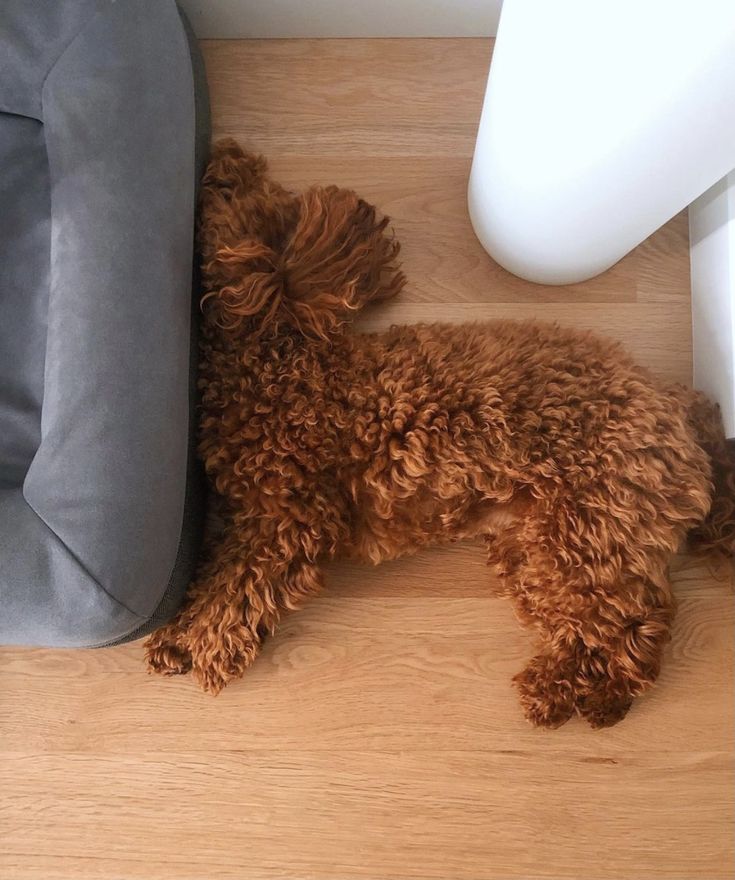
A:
[235,601]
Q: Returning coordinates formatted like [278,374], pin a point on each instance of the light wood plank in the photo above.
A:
[419,673]
[408,814]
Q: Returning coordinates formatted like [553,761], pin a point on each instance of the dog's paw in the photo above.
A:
[168,660]
[603,709]
[213,667]
[547,697]
[164,655]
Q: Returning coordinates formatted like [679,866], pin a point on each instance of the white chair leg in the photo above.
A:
[712,254]
[601,121]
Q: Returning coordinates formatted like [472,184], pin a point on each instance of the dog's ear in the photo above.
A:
[239,205]
[339,257]
[309,262]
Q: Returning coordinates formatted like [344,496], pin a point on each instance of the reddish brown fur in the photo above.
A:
[582,472]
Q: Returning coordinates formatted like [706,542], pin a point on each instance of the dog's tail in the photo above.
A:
[717,531]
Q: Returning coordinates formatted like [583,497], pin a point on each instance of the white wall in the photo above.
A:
[343,18]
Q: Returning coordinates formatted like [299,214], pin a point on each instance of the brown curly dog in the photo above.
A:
[581,471]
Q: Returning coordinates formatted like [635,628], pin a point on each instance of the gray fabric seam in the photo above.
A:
[69,45]
[83,567]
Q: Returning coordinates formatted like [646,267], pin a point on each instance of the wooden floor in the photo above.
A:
[378,736]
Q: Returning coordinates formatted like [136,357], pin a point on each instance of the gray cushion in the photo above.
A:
[98,170]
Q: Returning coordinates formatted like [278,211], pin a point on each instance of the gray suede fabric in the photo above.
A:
[97,199]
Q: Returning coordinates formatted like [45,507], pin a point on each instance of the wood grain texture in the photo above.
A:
[378,736]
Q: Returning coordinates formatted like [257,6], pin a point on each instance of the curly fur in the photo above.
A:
[581,471]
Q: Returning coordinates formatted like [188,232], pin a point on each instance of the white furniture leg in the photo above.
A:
[602,120]
[712,253]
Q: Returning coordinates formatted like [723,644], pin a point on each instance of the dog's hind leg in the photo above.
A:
[597,656]
[601,602]
[628,643]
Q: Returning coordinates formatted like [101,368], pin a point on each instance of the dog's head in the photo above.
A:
[302,263]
